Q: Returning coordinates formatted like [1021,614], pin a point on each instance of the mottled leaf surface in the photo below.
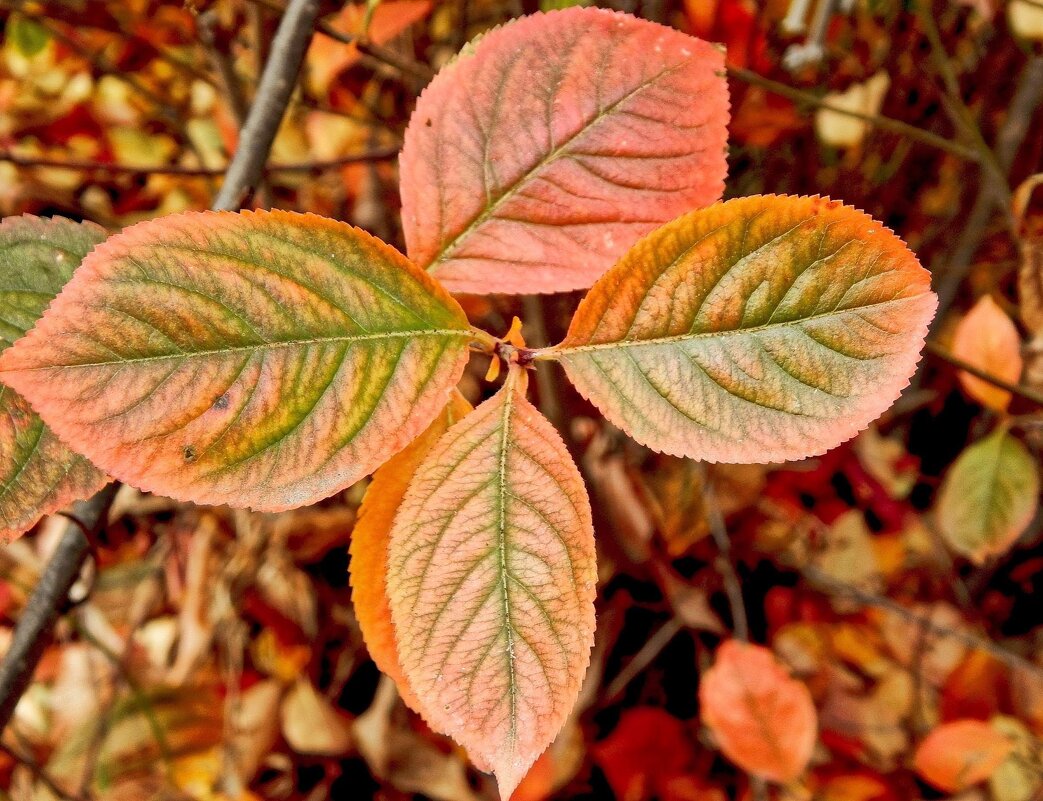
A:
[764,720]
[38,474]
[370,539]
[759,330]
[552,144]
[261,359]
[988,497]
[491,581]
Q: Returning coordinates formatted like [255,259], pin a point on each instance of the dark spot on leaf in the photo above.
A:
[428,122]
[190,453]
[222,402]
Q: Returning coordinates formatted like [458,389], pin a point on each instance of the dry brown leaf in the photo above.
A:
[311,725]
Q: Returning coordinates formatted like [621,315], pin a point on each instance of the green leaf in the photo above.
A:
[27,36]
[988,497]
[38,474]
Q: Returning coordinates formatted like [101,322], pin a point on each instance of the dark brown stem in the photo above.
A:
[723,563]
[377,154]
[951,268]
[33,632]
[876,120]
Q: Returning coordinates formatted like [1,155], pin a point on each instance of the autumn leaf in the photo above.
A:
[988,339]
[763,720]
[369,545]
[491,581]
[758,330]
[988,496]
[550,145]
[647,749]
[38,473]
[262,359]
[958,755]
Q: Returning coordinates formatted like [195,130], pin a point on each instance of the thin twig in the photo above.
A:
[724,565]
[273,94]
[1002,654]
[32,633]
[960,113]
[41,774]
[377,154]
[1022,391]
[416,69]
[884,123]
[643,658]
[951,268]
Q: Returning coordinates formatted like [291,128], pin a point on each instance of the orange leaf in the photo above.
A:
[988,339]
[491,581]
[551,144]
[647,749]
[261,359]
[369,545]
[758,330]
[763,720]
[960,754]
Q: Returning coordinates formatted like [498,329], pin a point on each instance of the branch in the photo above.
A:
[32,633]
[723,563]
[1022,391]
[884,123]
[1002,654]
[273,94]
[377,154]
[950,269]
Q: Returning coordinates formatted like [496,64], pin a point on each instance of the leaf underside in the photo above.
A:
[38,474]
[369,545]
[552,144]
[988,497]
[759,330]
[491,581]
[259,359]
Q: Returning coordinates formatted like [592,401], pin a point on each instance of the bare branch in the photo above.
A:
[34,626]
[273,94]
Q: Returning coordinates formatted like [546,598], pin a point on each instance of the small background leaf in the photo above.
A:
[988,339]
[263,359]
[763,720]
[491,583]
[988,497]
[38,474]
[551,144]
[958,755]
[761,329]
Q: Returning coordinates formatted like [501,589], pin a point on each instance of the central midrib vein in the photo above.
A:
[517,186]
[505,427]
[566,350]
[348,338]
